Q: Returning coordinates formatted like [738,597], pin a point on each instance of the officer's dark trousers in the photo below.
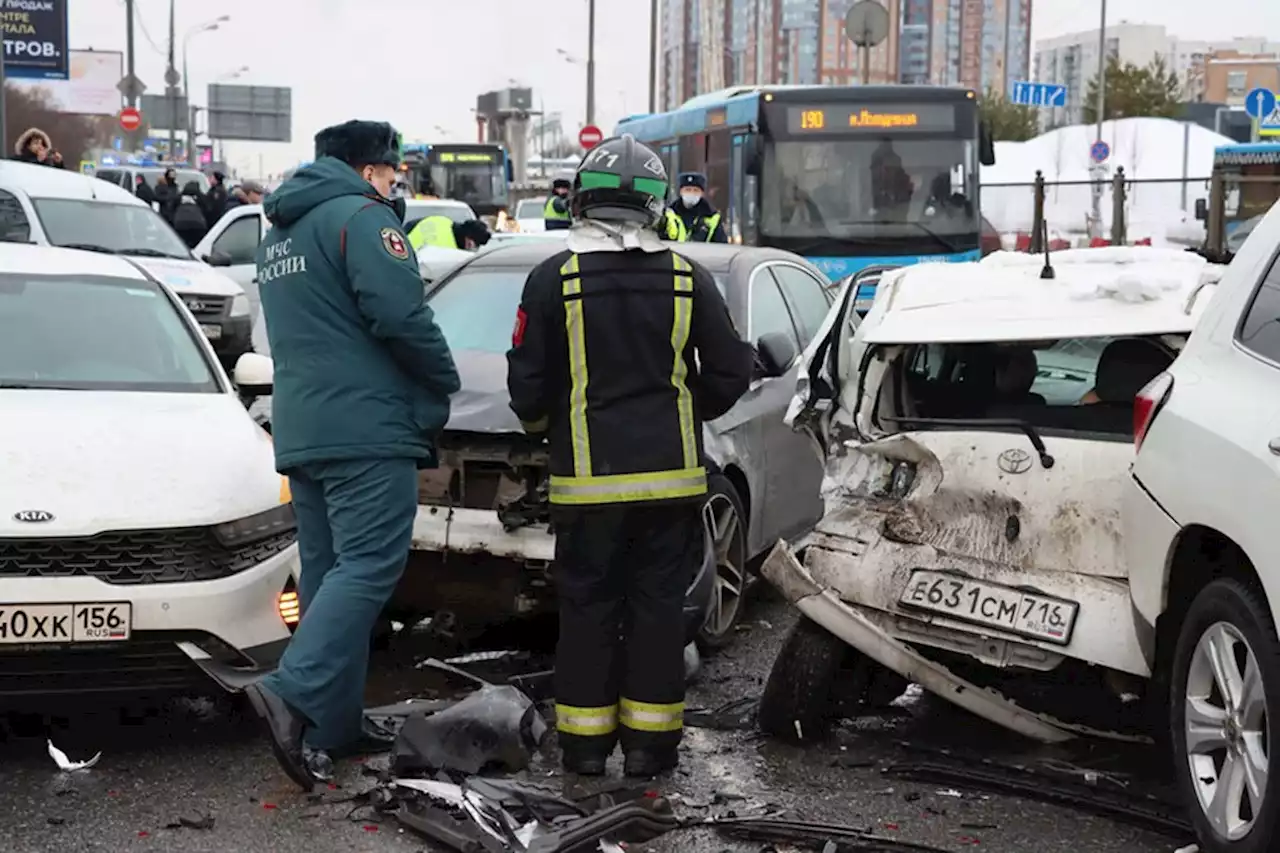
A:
[355,524]
[622,573]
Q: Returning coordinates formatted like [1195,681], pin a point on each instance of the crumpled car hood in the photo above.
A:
[483,404]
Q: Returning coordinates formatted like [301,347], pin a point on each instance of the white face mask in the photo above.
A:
[690,199]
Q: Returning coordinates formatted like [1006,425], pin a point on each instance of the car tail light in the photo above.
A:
[1148,404]
[289,606]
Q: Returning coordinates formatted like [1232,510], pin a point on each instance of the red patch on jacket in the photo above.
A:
[517,334]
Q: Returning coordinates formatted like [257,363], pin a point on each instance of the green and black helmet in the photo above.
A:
[620,180]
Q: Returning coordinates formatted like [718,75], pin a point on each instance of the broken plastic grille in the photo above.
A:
[138,557]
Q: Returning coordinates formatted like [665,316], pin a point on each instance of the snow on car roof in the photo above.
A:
[26,259]
[1103,292]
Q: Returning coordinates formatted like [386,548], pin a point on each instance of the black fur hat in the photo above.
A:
[360,143]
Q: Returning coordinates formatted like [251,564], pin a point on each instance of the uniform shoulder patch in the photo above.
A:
[393,242]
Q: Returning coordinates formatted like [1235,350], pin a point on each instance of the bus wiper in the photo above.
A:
[1046,460]
[949,245]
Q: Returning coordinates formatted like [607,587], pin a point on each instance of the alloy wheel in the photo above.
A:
[1226,730]
[721,520]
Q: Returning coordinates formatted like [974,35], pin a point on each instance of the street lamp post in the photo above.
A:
[1101,104]
[207,26]
[591,62]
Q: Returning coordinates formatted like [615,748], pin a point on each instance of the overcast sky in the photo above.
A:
[421,63]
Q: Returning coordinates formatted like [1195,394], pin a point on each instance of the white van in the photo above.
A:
[53,207]
[147,543]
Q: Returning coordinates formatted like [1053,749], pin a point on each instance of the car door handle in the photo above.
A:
[1274,445]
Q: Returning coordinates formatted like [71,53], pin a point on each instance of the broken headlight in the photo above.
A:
[253,528]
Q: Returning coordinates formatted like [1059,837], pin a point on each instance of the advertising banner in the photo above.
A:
[90,87]
[35,38]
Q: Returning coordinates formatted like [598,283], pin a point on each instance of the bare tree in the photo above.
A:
[73,135]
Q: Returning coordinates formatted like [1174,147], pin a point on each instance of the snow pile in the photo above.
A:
[1147,148]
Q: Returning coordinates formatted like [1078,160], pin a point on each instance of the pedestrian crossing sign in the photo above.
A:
[1270,126]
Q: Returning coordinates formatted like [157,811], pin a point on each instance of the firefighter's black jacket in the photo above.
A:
[593,365]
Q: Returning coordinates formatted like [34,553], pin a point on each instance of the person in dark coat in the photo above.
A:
[33,146]
[363,377]
[167,194]
[55,160]
[215,200]
[143,190]
[189,216]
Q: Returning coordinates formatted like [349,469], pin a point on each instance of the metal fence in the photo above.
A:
[1195,212]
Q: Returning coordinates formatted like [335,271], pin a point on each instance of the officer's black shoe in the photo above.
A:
[645,764]
[319,764]
[284,728]
[374,739]
[585,765]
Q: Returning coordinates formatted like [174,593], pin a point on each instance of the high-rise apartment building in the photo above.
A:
[711,44]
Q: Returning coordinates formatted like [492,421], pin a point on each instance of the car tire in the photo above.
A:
[799,702]
[1227,635]
[726,522]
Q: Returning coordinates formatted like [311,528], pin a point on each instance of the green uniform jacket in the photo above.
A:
[433,231]
[362,371]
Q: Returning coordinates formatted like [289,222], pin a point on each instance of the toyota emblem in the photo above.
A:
[33,516]
[1014,461]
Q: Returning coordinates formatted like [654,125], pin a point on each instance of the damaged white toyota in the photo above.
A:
[978,430]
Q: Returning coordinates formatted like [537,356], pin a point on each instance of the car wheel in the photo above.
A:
[798,703]
[726,524]
[1225,681]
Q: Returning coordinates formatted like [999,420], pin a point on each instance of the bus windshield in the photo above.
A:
[885,188]
[480,185]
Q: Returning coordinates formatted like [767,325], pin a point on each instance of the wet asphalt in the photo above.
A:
[194,775]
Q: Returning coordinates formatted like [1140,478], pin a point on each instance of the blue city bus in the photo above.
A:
[848,176]
[478,174]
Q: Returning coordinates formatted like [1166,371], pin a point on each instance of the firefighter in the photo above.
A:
[621,350]
[702,222]
[555,215]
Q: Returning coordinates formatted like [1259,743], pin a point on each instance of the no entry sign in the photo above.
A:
[130,119]
[589,137]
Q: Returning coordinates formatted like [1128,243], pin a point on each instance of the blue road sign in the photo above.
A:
[1260,103]
[1039,94]
[1099,151]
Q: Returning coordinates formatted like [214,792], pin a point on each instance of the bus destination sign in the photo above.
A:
[857,118]
[467,157]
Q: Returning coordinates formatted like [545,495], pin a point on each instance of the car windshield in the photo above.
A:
[530,208]
[416,210]
[870,188]
[182,176]
[96,333]
[124,229]
[476,184]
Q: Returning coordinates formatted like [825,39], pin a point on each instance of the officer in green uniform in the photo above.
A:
[555,215]
[363,377]
[444,233]
[702,222]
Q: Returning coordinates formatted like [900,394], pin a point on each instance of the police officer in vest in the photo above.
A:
[555,215]
[702,222]
[442,232]
[621,350]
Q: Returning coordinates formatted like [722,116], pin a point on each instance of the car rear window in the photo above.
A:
[1075,385]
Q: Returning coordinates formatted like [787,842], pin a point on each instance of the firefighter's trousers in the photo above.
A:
[622,572]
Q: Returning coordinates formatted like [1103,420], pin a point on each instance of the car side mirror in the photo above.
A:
[776,352]
[1202,209]
[217,258]
[254,375]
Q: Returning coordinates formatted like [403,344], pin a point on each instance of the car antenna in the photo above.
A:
[1046,273]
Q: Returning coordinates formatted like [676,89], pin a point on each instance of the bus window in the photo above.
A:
[737,173]
[693,153]
[671,156]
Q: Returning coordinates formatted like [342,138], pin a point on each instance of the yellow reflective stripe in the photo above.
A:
[575,330]
[586,722]
[680,326]
[648,717]
[711,223]
[626,488]
[540,425]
